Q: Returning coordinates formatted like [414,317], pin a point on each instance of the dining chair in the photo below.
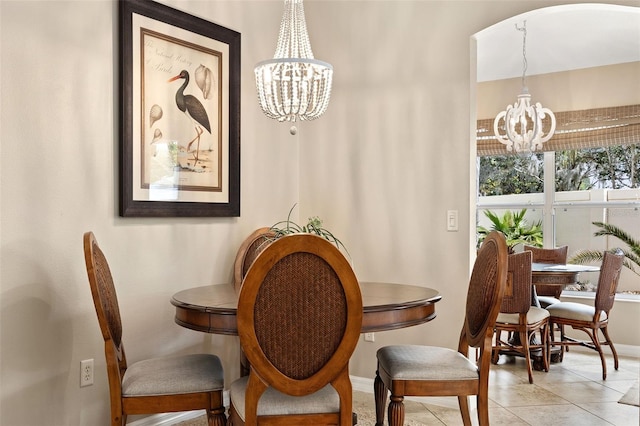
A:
[299,321]
[519,319]
[548,294]
[414,370]
[248,251]
[157,385]
[589,318]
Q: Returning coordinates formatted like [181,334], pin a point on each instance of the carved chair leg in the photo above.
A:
[483,409]
[463,402]
[495,351]
[396,410]
[596,343]
[524,341]
[216,417]
[605,332]
[546,346]
[380,396]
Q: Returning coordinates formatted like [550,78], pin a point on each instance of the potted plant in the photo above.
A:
[515,228]
[313,226]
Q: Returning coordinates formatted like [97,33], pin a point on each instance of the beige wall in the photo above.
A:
[381,168]
[598,87]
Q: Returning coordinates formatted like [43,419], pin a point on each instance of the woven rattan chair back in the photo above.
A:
[556,256]
[608,281]
[486,289]
[250,248]
[299,320]
[105,301]
[517,294]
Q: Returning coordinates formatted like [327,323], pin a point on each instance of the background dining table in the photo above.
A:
[556,274]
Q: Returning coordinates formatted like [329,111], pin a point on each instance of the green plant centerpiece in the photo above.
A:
[514,227]
[631,252]
[313,226]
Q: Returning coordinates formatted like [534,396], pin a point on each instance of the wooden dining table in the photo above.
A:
[386,306]
[553,274]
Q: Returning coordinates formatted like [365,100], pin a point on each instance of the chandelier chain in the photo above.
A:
[524,50]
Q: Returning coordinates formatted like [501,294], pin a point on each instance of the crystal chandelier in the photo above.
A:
[293,85]
[521,121]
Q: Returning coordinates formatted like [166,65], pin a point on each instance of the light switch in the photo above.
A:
[452,220]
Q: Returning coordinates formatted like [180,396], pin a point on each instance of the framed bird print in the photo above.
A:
[180,114]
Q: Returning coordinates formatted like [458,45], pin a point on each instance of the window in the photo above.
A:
[591,173]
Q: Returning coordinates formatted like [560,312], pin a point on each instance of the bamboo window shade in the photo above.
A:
[589,128]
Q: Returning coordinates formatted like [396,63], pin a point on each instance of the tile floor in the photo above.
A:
[571,393]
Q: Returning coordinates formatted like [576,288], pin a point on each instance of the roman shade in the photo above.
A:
[589,128]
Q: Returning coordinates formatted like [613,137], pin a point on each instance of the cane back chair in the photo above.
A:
[158,385]
[299,320]
[588,318]
[519,319]
[412,370]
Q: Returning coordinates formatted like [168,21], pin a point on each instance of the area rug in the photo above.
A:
[632,397]
[363,406]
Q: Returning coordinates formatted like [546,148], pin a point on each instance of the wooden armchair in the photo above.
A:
[590,319]
[548,294]
[158,385]
[412,370]
[299,320]
[518,318]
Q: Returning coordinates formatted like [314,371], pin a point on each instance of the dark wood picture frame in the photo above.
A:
[157,42]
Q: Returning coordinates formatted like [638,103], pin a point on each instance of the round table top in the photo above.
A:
[386,306]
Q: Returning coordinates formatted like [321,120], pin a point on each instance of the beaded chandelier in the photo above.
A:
[293,85]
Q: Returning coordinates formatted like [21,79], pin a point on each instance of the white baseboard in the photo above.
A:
[362,384]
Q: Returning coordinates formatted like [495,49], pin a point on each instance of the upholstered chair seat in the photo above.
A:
[547,301]
[534,315]
[173,375]
[274,403]
[574,311]
[404,362]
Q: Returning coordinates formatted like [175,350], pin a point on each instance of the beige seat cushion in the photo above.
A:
[547,301]
[272,402]
[574,311]
[174,375]
[534,315]
[407,362]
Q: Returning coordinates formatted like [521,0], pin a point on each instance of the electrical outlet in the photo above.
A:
[86,372]
[369,337]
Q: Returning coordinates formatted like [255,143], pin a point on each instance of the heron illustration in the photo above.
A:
[193,109]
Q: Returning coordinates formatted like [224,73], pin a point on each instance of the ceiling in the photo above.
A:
[559,38]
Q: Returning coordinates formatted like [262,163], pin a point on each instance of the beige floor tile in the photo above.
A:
[580,392]
[498,416]
[560,415]
[523,395]
[614,413]
[620,385]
